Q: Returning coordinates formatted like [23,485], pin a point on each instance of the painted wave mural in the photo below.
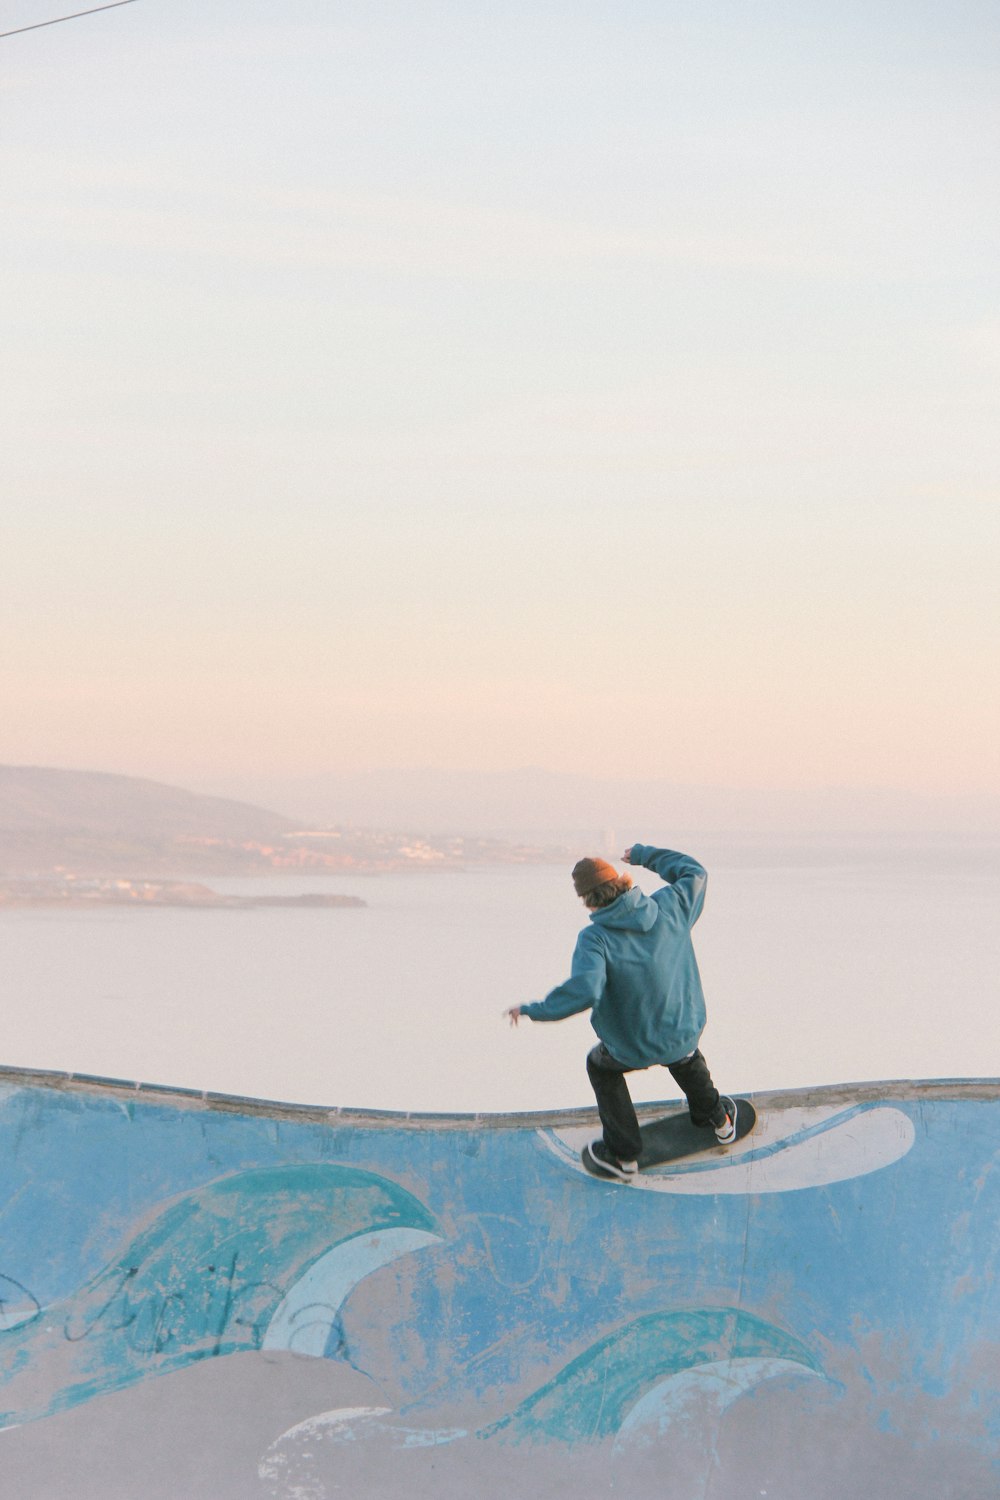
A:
[262,1259]
[302,1305]
[593,1396]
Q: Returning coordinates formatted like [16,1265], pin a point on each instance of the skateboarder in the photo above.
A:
[634,968]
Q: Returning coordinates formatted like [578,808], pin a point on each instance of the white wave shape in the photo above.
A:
[343,1416]
[304,1318]
[790,1150]
[693,1396]
[351,1424]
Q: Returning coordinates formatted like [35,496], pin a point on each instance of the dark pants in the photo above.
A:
[617,1112]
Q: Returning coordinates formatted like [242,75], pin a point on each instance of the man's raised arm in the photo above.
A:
[686,877]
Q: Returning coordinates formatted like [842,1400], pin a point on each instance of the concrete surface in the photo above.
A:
[229,1299]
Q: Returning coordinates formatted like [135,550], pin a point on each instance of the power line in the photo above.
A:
[56,19]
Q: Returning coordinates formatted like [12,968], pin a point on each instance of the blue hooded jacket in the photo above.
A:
[634,967]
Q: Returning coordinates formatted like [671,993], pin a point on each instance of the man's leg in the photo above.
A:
[614,1103]
[702,1096]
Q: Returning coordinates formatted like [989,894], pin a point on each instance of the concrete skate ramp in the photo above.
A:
[221,1298]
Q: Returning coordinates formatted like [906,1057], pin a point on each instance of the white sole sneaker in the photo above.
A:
[725,1135]
[625,1171]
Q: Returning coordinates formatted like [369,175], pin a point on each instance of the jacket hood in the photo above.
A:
[633,911]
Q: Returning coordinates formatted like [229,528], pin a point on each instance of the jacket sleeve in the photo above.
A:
[685,876]
[583,989]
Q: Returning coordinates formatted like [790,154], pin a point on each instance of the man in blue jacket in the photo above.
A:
[634,968]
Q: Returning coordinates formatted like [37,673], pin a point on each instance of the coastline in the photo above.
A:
[75,894]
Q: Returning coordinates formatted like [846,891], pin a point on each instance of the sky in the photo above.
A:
[469,386]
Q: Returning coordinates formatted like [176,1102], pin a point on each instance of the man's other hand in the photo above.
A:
[513,1014]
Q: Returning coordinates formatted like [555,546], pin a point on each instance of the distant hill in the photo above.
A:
[97,822]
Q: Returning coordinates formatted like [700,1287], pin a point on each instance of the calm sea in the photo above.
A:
[822,964]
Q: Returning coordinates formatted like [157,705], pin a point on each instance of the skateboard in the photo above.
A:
[674,1138]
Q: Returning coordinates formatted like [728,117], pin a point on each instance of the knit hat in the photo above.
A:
[588,874]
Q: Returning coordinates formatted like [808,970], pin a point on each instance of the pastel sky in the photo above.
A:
[475,385]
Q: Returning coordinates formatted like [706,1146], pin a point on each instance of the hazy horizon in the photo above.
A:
[530,799]
[531,802]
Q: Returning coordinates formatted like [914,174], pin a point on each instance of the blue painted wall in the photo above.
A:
[497,1310]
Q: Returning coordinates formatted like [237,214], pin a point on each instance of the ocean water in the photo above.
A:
[822,963]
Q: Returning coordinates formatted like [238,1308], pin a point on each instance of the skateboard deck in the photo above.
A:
[674,1138]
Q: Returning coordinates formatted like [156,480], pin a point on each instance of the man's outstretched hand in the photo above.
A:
[513,1014]
[627,856]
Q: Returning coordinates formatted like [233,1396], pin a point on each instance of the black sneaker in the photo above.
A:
[602,1157]
[725,1133]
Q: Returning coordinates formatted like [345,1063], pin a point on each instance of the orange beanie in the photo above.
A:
[588,874]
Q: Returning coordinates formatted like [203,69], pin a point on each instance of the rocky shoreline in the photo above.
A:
[79,893]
